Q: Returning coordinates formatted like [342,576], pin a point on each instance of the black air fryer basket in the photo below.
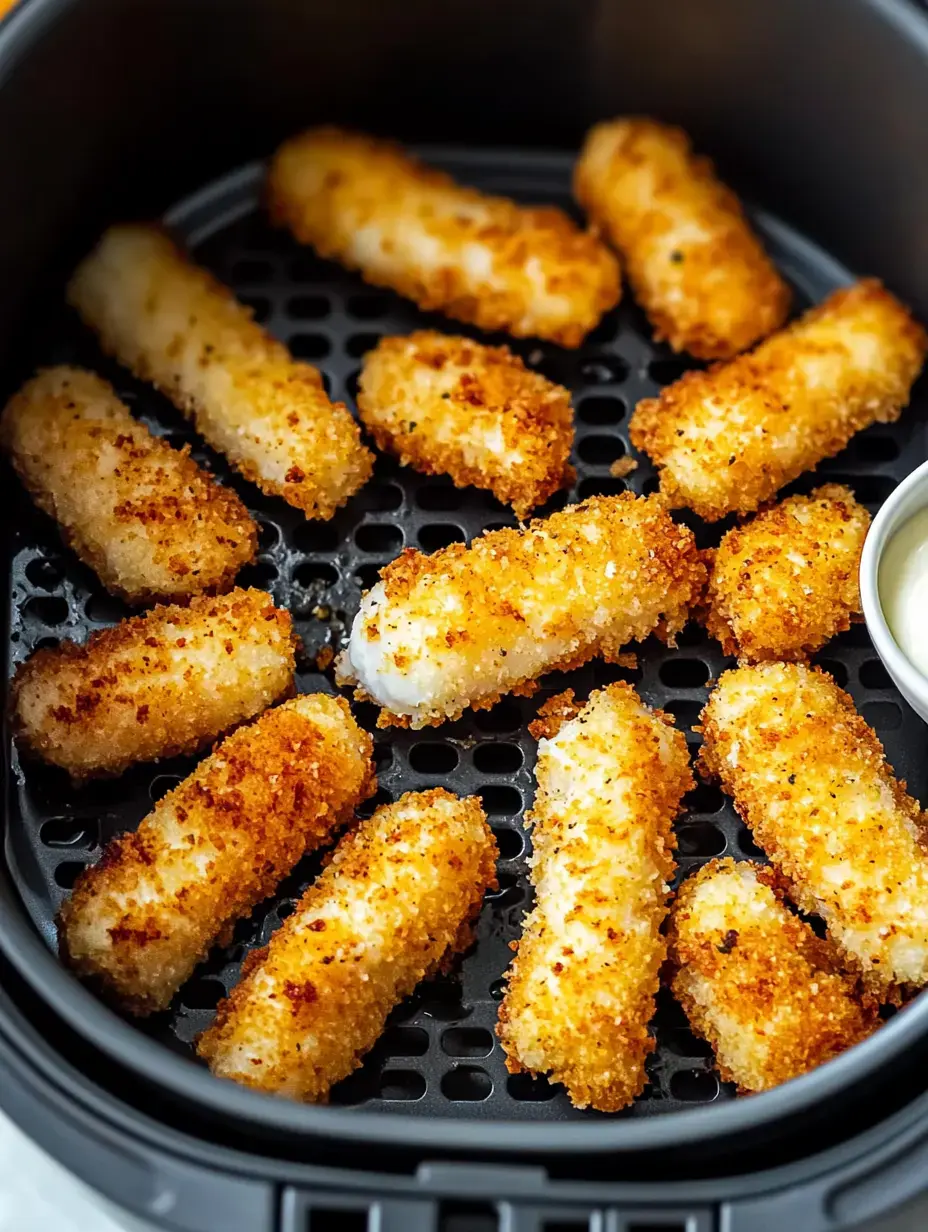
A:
[120,108]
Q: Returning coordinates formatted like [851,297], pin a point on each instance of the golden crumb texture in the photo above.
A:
[755,981]
[449,406]
[481,259]
[399,897]
[727,439]
[149,522]
[582,987]
[693,261]
[173,324]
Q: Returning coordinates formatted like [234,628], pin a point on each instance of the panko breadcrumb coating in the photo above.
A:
[694,263]
[399,896]
[173,324]
[447,405]
[486,260]
[784,584]
[158,685]
[809,777]
[726,440]
[149,522]
[462,627]
[611,775]
[756,982]
[141,919]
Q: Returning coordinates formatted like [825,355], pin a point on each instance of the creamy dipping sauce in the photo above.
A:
[903,586]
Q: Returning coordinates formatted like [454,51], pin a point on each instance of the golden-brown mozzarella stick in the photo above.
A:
[726,440]
[173,324]
[755,981]
[611,775]
[482,259]
[447,405]
[694,263]
[141,919]
[158,685]
[784,584]
[462,627]
[809,777]
[149,522]
[400,894]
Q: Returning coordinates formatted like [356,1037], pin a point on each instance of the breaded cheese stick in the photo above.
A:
[140,920]
[809,777]
[158,685]
[149,522]
[726,440]
[611,775]
[694,263]
[462,627]
[375,208]
[400,894]
[173,324]
[784,584]
[447,405]
[755,981]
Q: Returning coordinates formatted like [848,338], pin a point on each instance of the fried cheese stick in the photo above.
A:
[158,685]
[447,405]
[149,522]
[694,263]
[173,324]
[611,775]
[482,259]
[809,777]
[462,627]
[140,920]
[400,894]
[755,981]
[726,440]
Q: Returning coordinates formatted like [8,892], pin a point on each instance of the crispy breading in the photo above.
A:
[158,685]
[784,584]
[447,405]
[726,440]
[140,920]
[611,775]
[755,981]
[809,777]
[372,206]
[149,522]
[173,324]
[693,261]
[400,895]
[462,627]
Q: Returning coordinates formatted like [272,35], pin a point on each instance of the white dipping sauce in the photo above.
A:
[903,585]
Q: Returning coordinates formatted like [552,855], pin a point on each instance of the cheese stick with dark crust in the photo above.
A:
[140,920]
[399,896]
[482,259]
[149,522]
[173,324]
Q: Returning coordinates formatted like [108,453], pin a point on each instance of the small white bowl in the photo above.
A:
[906,500]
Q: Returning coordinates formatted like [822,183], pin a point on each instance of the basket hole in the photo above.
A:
[357,1088]
[528,1089]
[692,634]
[405,1042]
[69,832]
[601,450]
[434,757]
[694,1086]
[701,839]
[605,331]
[876,448]
[582,1224]
[368,307]
[309,307]
[467,1084]
[383,757]
[401,1084]
[836,670]
[603,370]
[685,1044]
[366,576]
[68,872]
[161,785]
[259,305]
[380,797]
[666,371]
[704,798]
[310,269]
[309,346]
[268,535]
[315,538]
[438,535]
[492,527]
[315,573]
[441,1000]
[380,498]
[379,537]
[511,891]
[505,716]
[467,1217]
[748,846]
[870,490]
[44,643]
[250,271]
[511,843]
[884,716]
[203,994]
[351,384]
[858,636]
[262,575]
[104,609]
[467,1042]
[47,611]
[603,485]
[651,485]
[337,1219]
[684,673]
[359,344]
[285,908]
[873,675]
[498,758]
[500,801]
[598,412]
[685,713]
[439,497]
[45,572]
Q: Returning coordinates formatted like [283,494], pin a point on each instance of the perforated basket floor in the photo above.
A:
[439,1054]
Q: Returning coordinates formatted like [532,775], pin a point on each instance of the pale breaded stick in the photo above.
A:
[140,920]
[784,584]
[482,259]
[694,263]
[149,522]
[611,775]
[756,982]
[726,440]
[173,324]
[447,405]
[809,777]
[462,627]
[400,895]
[158,685]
